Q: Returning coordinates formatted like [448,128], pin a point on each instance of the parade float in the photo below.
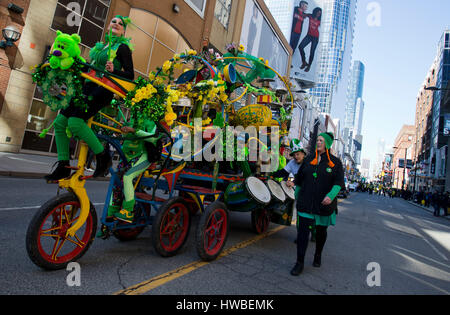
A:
[194,100]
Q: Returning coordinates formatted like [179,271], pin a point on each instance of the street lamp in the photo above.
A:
[11,34]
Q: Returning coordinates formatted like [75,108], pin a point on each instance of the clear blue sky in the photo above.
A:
[397,56]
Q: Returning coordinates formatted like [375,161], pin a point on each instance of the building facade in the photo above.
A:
[354,94]
[439,138]
[431,123]
[403,155]
[423,124]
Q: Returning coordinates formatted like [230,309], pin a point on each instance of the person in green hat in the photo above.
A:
[114,56]
[319,180]
[298,153]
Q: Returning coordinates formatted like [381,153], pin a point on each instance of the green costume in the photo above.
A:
[72,120]
[134,148]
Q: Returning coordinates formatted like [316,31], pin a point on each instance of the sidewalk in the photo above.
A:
[430,209]
[30,165]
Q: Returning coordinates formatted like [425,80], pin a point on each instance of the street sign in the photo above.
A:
[447,125]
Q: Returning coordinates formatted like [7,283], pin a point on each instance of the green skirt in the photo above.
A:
[319,219]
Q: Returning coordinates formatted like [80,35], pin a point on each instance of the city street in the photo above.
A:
[410,246]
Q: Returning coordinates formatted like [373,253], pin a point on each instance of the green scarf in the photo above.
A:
[99,55]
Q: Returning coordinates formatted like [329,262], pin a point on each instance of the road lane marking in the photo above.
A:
[160,280]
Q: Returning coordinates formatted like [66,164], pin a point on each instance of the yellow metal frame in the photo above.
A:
[76,184]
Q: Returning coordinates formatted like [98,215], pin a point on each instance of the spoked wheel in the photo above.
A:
[212,231]
[46,242]
[260,220]
[170,227]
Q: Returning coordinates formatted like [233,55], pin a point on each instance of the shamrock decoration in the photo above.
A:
[60,88]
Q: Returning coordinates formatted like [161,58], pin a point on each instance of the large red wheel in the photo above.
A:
[170,227]
[46,241]
[260,220]
[212,231]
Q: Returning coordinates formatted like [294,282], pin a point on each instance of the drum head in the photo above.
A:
[288,191]
[276,190]
[258,190]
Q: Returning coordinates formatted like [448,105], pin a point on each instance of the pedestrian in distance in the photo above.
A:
[319,180]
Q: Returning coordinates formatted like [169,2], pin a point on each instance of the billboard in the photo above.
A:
[260,40]
[305,37]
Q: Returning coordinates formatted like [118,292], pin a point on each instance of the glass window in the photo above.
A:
[86,18]
[40,116]
[222,12]
[67,2]
[32,141]
[90,33]
[61,21]
[96,12]
[197,5]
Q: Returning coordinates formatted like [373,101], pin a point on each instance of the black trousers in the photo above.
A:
[96,98]
[305,42]
[303,230]
[295,38]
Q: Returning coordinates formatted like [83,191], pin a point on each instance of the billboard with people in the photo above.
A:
[305,38]
[260,40]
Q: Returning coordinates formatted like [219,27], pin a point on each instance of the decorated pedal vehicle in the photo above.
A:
[175,186]
[64,228]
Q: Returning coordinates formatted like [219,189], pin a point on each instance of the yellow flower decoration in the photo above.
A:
[166,66]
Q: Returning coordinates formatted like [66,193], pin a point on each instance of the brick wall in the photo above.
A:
[8,56]
[19,88]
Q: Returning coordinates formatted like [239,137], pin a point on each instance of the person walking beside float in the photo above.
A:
[319,180]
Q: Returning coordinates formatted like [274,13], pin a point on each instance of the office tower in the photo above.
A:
[354,97]
[337,43]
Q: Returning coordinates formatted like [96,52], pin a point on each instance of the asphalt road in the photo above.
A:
[410,249]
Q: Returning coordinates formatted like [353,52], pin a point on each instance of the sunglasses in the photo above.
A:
[117,22]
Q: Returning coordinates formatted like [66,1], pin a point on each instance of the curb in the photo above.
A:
[428,210]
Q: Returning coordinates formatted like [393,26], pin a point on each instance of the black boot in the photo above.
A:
[61,171]
[317,261]
[104,162]
[298,268]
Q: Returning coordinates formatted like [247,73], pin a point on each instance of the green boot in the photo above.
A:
[126,214]
[113,210]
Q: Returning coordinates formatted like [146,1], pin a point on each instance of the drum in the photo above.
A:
[290,192]
[277,193]
[283,213]
[247,196]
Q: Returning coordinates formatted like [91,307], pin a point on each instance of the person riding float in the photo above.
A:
[114,56]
